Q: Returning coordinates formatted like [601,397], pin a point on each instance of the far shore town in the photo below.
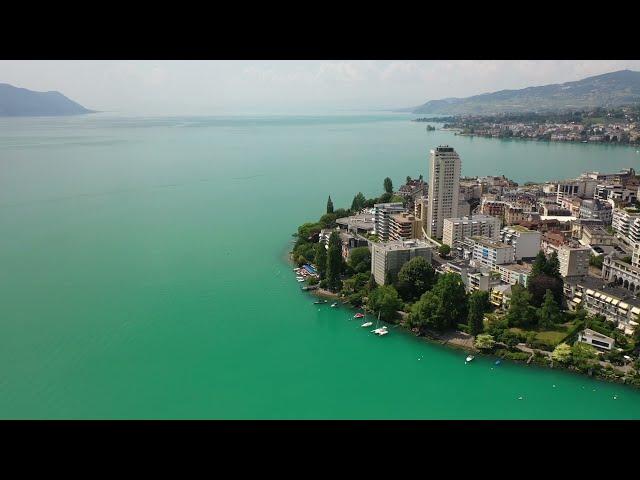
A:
[545,273]
[613,126]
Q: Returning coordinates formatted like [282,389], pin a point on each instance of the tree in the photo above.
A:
[562,353]
[443,306]
[538,286]
[360,259]
[334,261]
[305,251]
[584,356]
[388,185]
[478,306]
[329,205]
[386,301]
[549,313]
[414,278]
[545,275]
[320,260]
[444,250]
[328,220]
[596,261]
[341,213]
[636,332]
[539,264]
[399,199]
[520,313]
[357,287]
[306,230]
[408,178]
[425,313]
[358,202]
[552,268]
[484,342]
[384,198]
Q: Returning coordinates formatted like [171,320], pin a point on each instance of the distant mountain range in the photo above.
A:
[609,90]
[20,102]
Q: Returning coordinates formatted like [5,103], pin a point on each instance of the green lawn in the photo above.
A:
[550,337]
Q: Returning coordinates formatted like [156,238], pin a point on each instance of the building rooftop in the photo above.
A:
[487,242]
[517,228]
[363,221]
[505,288]
[402,245]
[596,230]
[388,205]
[517,267]
[471,219]
[594,334]
[403,217]
[560,218]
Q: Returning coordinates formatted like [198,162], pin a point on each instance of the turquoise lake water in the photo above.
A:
[143,274]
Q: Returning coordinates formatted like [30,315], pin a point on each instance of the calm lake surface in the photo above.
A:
[143,274]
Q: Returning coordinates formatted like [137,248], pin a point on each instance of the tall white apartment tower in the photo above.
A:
[444,188]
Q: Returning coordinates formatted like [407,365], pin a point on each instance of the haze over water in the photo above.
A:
[143,273]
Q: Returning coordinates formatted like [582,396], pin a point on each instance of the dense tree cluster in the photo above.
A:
[441,307]
[545,275]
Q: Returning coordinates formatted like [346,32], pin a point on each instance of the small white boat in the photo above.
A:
[378,331]
[300,279]
[334,304]
[469,358]
[366,324]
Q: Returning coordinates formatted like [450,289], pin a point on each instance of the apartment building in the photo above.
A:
[381,218]
[574,260]
[594,208]
[403,226]
[388,257]
[490,252]
[622,221]
[614,303]
[526,243]
[457,229]
[513,273]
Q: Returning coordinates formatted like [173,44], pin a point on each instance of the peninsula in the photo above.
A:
[540,273]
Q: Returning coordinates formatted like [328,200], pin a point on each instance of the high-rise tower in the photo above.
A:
[444,186]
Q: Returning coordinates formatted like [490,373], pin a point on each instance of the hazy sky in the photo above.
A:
[217,87]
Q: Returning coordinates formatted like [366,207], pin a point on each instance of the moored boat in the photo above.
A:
[359,315]
[469,358]
[366,324]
